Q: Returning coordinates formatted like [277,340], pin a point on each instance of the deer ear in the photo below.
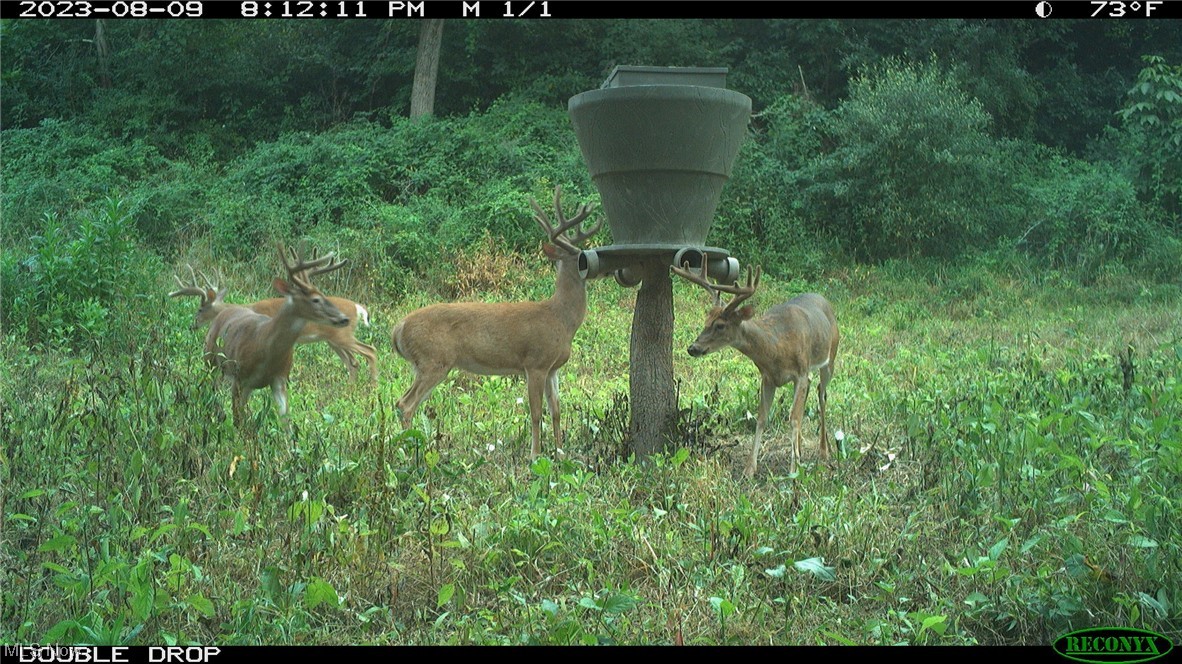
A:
[745,313]
[551,251]
[281,286]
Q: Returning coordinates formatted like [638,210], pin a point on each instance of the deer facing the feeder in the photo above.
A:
[786,343]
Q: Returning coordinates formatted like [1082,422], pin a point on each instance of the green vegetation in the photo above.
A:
[991,207]
[1002,481]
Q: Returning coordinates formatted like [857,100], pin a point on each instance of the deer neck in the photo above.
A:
[754,341]
[570,294]
[285,326]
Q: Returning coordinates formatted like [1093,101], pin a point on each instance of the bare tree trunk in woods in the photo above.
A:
[422,96]
[104,54]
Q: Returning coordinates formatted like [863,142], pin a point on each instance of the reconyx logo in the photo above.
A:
[1113,645]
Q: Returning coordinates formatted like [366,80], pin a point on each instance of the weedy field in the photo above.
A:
[1010,451]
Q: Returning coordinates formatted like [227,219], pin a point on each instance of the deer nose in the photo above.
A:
[341,322]
[694,351]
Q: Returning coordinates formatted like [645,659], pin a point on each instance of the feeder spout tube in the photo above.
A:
[723,270]
[593,265]
[628,277]
[590,266]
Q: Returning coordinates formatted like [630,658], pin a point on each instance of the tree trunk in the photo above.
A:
[104,54]
[650,373]
[422,96]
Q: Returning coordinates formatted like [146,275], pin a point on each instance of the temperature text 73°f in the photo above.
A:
[1135,9]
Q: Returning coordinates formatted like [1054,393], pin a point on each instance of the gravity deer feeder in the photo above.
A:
[660,143]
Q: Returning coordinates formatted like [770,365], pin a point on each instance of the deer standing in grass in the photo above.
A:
[255,351]
[786,343]
[340,339]
[531,338]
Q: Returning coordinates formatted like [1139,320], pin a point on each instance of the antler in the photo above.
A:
[558,234]
[741,293]
[211,285]
[193,288]
[301,272]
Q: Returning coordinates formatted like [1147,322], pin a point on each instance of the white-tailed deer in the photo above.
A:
[254,350]
[340,339]
[786,343]
[531,338]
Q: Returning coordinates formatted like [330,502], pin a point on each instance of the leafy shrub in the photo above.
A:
[76,280]
[913,171]
[407,193]
[1152,117]
[170,207]
[1080,215]
[60,167]
[1161,258]
[755,218]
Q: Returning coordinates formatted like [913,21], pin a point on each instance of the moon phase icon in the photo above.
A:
[1043,9]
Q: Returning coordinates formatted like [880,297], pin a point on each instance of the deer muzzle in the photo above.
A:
[696,351]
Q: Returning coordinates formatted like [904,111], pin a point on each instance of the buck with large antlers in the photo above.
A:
[255,351]
[786,343]
[341,339]
[531,338]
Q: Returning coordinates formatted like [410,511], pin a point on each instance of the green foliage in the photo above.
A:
[1045,448]
[1002,479]
[1082,216]
[989,59]
[1009,453]
[194,87]
[1152,115]
[299,132]
[62,166]
[79,278]
[49,70]
[912,172]
[401,194]
[756,218]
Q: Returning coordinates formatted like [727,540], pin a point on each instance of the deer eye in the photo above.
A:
[315,300]
[720,326]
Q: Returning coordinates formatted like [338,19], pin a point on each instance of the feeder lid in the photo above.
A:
[705,77]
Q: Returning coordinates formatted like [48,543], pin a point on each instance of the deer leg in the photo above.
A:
[425,380]
[346,357]
[767,394]
[279,391]
[535,385]
[552,402]
[240,399]
[371,355]
[823,398]
[802,391]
